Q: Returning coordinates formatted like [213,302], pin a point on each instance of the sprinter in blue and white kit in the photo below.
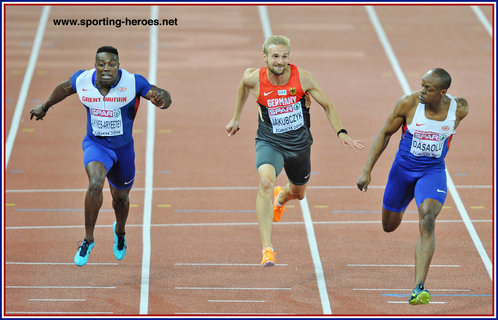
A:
[111,97]
[428,118]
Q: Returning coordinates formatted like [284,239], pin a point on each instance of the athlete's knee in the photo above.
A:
[95,185]
[428,212]
[96,177]
[389,227]
[391,220]
[120,199]
[428,222]
[266,184]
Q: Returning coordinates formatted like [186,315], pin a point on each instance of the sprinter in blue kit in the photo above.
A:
[111,96]
[428,118]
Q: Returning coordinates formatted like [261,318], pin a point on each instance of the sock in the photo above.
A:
[278,202]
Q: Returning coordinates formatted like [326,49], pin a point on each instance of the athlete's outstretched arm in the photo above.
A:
[246,83]
[392,124]
[61,91]
[159,97]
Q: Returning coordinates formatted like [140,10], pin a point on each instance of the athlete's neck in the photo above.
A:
[438,106]
[103,88]
[279,79]
[438,109]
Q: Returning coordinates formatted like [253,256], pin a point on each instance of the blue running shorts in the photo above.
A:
[119,163]
[407,181]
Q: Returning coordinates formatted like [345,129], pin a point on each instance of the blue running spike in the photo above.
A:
[420,295]
[119,244]
[81,257]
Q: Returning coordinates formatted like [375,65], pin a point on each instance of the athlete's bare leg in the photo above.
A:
[291,192]
[391,220]
[264,202]
[428,212]
[93,199]
[121,205]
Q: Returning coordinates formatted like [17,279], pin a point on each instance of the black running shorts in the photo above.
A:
[297,164]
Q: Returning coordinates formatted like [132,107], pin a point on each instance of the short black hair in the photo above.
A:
[108,49]
[444,77]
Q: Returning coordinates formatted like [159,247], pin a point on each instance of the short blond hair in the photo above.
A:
[276,40]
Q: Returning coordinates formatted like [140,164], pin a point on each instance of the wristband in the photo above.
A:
[341,131]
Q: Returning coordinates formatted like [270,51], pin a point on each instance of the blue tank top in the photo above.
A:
[110,118]
[424,141]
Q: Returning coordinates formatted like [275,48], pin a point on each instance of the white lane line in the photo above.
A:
[57,300]
[57,312]
[226,264]
[388,49]
[23,93]
[451,187]
[233,313]
[408,290]
[238,224]
[265,21]
[149,169]
[57,287]
[320,279]
[482,18]
[470,227]
[238,301]
[406,302]
[220,188]
[226,288]
[404,265]
[315,255]
[61,263]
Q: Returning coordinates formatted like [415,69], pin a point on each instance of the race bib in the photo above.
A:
[106,123]
[286,118]
[427,143]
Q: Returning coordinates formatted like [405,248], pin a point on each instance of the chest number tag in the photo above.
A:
[106,123]
[286,118]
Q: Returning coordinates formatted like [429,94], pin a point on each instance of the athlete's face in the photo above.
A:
[277,58]
[107,66]
[430,90]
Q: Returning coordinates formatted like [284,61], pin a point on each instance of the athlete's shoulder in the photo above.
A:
[406,104]
[251,72]
[142,85]
[300,69]
[79,75]
[139,77]
[83,72]
[125,73]
[462,107]
[303,73]
[308,81]
[251,77]
[409,100]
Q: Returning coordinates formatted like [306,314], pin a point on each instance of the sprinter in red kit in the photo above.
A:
[284,139]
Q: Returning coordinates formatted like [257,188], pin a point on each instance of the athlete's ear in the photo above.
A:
[443,92]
